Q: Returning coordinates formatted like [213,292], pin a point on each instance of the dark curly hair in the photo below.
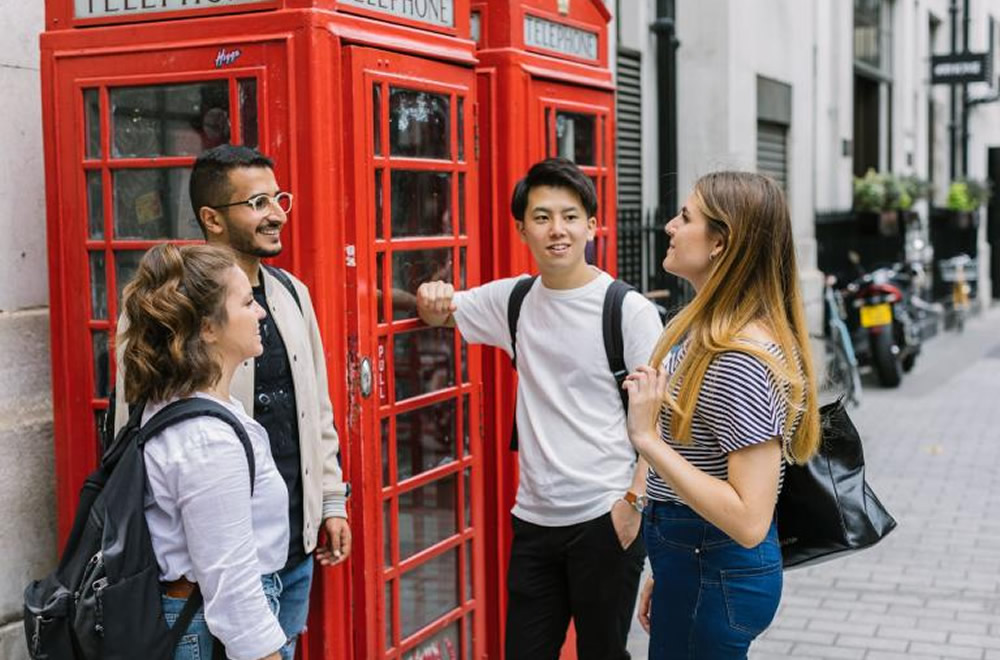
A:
[175,290]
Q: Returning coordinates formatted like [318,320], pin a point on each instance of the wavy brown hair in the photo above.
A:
[755,279]
[174,292]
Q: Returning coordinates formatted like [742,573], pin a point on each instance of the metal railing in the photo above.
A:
[642,244]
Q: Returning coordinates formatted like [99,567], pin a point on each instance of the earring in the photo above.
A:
[711,256]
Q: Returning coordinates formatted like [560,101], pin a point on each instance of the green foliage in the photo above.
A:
[967,195]
[875,192]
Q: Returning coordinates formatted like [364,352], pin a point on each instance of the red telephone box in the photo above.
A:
[544,90]
[368,107]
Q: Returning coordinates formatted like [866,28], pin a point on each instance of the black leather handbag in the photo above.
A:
[826,508]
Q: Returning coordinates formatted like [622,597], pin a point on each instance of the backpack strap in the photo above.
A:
[514,303]
[190,408]
[614,344]
[280,275]
[521,288]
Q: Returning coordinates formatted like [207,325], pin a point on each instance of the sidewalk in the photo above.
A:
[931,590]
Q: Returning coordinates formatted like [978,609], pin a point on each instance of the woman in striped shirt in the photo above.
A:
[730,397]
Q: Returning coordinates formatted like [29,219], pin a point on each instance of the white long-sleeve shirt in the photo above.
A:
[206,527]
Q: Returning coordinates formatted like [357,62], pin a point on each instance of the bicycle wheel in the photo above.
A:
[836,380]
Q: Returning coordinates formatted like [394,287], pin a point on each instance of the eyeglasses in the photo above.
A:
[262,202]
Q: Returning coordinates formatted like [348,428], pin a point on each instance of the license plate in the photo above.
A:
[873,315]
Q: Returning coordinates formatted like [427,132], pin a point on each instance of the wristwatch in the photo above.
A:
[638,502]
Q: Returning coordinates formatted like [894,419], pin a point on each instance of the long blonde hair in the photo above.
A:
[754,279]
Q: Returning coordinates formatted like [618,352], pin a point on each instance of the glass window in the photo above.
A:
[419,124]
[410,269]
[428,592]
[387,531]
[169,120]
[153,204]
[424,361]
[425,438]
[421,203]
[379,285]
[377,117]
[92,115]
[575,137]
[95,204]
[388,615]
[444,644]
[126,263]
[379,228]
[102,375]
[248,112]
[427,515]
[460,118]
[386,474]
[98,287]
[461,205]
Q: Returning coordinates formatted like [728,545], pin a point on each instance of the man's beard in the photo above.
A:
[245,244]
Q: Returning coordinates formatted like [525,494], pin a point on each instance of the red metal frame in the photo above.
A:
[373,334]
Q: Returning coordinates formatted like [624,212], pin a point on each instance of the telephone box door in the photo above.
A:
[415,392]
[125,134]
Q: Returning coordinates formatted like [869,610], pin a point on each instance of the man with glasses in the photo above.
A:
[238,203]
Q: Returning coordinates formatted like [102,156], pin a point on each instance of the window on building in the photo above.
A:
[872,85]
[774,119]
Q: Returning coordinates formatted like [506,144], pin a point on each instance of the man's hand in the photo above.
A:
[626,521]
[645,609]
[338,542]
[434,302]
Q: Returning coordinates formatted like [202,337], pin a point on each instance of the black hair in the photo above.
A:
[209,185]
[557,173]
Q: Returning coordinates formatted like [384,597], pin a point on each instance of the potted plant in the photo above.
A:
[965,196]
[869,200]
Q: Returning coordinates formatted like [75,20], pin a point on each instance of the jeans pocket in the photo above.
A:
[189,648]
[751,596]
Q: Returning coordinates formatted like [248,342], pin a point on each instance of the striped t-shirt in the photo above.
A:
[739,405]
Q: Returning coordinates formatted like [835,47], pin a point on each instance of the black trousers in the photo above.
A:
[579,572]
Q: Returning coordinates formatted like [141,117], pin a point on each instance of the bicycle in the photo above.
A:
[841,374]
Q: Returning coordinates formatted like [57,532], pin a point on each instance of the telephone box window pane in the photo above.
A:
[575,137]
[100,415]
[461,127]
[466,423]
[92,113]
[388,615]
[377,117]
[95,204]
[444,644]
[421,203]
[386,473]
[379,228]
[464,356]
[419,125]
[427,515]
[101,365]
[428,592]
[468,570]
[153,204]
[379,285]
[387,531]
[462,269]
[169,120]
[98,287]
[126,263]
[249,132]
[424,361]
[467,484]
[425,438]
[468,636]
[461,204]
[410,269]
[548,132]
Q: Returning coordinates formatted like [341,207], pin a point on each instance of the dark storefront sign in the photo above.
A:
[960,68]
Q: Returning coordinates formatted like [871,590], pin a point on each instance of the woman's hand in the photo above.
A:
[645,604]
[647,388]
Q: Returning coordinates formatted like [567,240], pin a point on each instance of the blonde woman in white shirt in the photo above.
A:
[191,320]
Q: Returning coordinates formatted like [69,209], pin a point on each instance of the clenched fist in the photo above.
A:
[435,303]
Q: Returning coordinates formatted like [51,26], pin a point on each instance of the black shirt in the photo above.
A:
[274,408]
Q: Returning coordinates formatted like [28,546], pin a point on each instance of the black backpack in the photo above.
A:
[611,323]
[103,600]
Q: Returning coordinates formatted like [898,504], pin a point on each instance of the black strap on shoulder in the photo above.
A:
[183,409]
[280,275]
[180,626]
[614,344]
[521,288]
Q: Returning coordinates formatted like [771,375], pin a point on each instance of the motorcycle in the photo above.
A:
[884,332]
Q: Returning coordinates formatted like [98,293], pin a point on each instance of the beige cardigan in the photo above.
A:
[324,493]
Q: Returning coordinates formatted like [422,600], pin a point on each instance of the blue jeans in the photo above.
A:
[294,603]
[196,642]
[711,596]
